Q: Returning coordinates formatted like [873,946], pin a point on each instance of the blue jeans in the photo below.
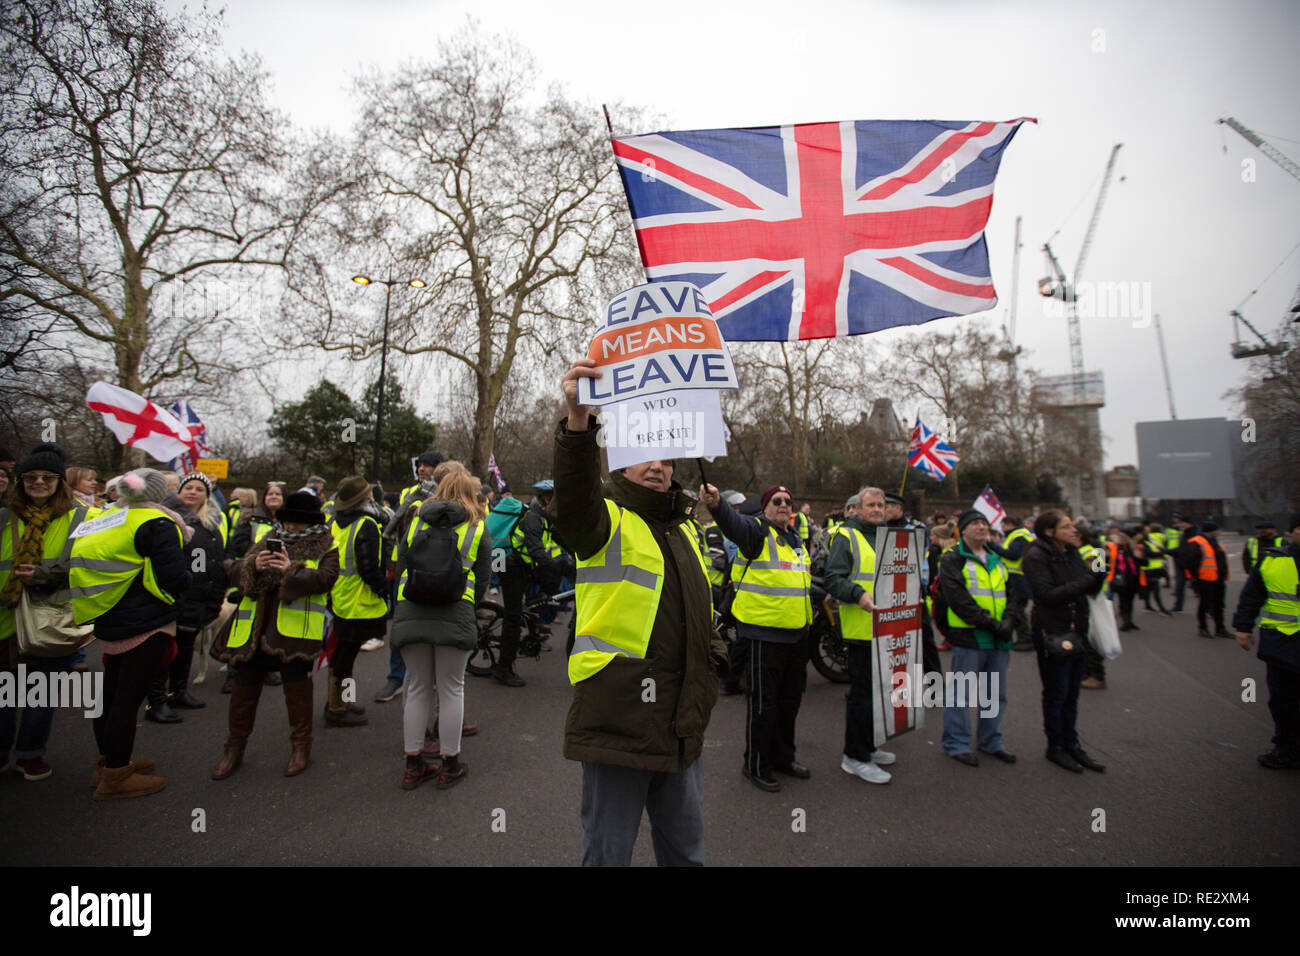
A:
[34,723]
[956,720]
[396,666]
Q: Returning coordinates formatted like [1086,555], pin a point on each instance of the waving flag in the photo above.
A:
[495,471]
[929,454]
[819,229]
[139,422]
[988,505]
[185,413]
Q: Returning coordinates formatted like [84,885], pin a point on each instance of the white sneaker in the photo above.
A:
[882,758]
[374,644]
[866,771]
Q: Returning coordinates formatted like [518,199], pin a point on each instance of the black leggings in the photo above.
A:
[180,667]
[344,657]
[126,682]
[253,672]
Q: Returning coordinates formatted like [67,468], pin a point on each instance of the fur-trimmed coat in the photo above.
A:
[267,589]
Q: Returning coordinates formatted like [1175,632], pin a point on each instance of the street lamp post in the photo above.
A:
[383,352]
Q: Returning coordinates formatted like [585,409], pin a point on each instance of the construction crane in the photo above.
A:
[1009,330]
[1244,350]
[1057,286]
[1164,364]
[1255,140]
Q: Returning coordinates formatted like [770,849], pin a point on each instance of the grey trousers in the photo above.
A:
[612,801]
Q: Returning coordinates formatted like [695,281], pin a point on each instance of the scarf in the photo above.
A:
[37,519]
[289,537]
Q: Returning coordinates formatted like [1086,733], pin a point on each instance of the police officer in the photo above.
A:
[772,579]
[1274,588]
[1012,553]
[803,526]
[1266,536]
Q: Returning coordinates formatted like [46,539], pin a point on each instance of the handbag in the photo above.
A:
[46,629]
[1063,645]
[49,630]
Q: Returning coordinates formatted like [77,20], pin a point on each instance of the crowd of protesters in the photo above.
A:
[168,570]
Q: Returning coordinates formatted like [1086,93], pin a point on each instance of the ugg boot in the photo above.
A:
[243,712]
[141,764]
[338,713]
[298,701]
[119,782]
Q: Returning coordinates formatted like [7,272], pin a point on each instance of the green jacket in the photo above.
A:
[952,581]
[612,720]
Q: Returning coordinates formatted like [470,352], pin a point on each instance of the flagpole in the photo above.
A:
[904,482]
[608,125]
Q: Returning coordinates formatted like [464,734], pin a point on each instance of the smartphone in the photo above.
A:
[274,545]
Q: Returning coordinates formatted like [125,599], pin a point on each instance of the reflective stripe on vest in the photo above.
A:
[1282,609]
[353,598]
[772,590]
[303,619]
[106,562]
[716,577]
[855,623]
[618,591]
[553,550]
[1154,561]
[989,589]
[1173,538]
[466,545]
[1014,567]
[1252,547]
[56,549]
[1209,568]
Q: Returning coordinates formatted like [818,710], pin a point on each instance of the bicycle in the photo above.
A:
[491,618]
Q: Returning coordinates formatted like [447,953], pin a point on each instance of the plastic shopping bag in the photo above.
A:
[1103,631]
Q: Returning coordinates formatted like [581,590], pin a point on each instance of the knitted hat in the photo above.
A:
[49,457]
[143,484]
[1209,526]
[197,476]
[767,495]
[301,508]
[351,493]
[969,515]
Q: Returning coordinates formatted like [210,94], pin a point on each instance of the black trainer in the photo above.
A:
[1061,757]
[770,784]
[508,677]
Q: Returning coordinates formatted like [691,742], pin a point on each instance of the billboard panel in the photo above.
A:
[1188,459]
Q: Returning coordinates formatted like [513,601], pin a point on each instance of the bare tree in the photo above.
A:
[144,173]
[510,210]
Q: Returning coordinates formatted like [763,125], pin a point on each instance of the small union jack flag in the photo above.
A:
[929,454]
[496,472]
[185,413]
[817,230]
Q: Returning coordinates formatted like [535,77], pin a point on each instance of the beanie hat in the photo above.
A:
[301,507]
[197,476]
[1209,526]
[49,457]
[352,492]
[143,484]
[767,495]
[969,515]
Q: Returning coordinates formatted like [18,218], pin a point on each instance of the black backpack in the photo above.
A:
[434,574]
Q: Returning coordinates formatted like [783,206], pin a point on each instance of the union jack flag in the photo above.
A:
[929,454]
[819,229]
[496,472]
[198,431]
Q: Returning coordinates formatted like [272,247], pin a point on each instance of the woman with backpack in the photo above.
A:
[444,562]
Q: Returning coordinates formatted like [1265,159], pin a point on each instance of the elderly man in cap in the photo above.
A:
[981,624]
[1273,588]
[772,579]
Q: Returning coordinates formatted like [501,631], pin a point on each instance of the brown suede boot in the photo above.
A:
[298,701]
[243,712]
[141,764]
[119,782]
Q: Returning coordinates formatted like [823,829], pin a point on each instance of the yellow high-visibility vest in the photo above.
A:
[56,548]
[772,590]
[618,591]
[352,598]
[989,589]
[105,562]
[468,537]
[1282,609]
[1014,567]
[855,623]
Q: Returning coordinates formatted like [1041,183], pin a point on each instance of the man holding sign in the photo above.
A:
[850,579]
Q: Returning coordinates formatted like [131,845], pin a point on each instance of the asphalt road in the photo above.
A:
[1181,786]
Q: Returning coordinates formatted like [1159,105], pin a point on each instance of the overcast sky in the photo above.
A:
[1180,221]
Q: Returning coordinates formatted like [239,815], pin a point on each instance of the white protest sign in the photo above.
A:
[685,424]
[655,338]
[896,699]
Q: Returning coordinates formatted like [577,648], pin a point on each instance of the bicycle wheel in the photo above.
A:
[490,618]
